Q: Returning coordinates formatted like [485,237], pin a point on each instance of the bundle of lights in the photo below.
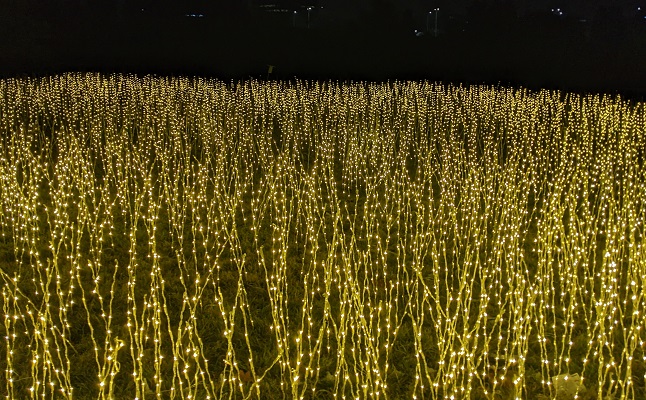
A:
[190,238]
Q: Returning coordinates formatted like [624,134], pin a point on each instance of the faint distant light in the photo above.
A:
[558,12]
[194,15]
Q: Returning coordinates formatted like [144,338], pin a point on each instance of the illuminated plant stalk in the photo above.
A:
[210,240]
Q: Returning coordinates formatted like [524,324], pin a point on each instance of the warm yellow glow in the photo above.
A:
[483,230]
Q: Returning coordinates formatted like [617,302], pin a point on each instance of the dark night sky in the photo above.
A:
[582,45]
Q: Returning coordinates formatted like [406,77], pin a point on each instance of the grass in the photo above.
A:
[188,238]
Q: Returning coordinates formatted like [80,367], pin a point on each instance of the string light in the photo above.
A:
[466,238]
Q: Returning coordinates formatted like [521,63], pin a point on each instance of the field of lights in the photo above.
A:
[185,238]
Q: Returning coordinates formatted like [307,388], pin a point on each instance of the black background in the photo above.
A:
[236,40]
